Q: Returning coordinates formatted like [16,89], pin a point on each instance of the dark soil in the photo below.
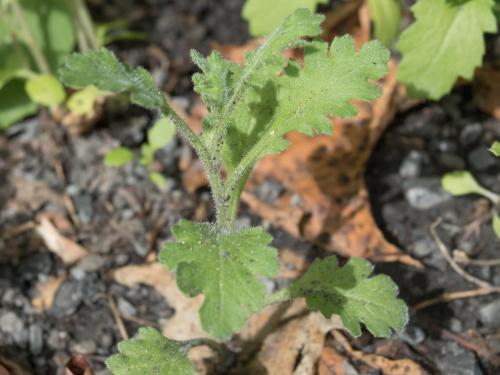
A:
[120,216]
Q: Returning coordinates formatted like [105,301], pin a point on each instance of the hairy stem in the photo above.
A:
[38,56]
[85,23]
[206,158]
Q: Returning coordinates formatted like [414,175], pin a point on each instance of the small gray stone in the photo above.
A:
[35,339]
[77,273]
[411,166]
[84,347]
[243,222]
[125,307]
[425,193]
[451,161]
[13,326]
[68,299]
[57,340]
[91,263]
[456,325]
[471,134]
[461,364]
[424,247]
[412,335]
[269,191]
[489,314]
[481,159]
[296,200]
[83,205]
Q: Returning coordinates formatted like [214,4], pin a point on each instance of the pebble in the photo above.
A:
[35,339]
[424,247]
[481,159]
[83,204]
[412,335]
[451,161]
[243,222]
[57,340]
[461,364]
[471,134]
[411,166]
[91,263]
[269,191]
[84,347]
[12,325]
[425,193]
[125,307]
[489,314]
[456,325]
[68,299]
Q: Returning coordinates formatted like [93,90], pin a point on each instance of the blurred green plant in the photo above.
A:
[460,183]
[35,36]
[159,135]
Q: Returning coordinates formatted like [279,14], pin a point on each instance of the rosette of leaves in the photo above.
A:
[251,108]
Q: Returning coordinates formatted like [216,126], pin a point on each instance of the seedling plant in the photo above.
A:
[251,108]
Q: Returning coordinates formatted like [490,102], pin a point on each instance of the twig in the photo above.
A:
[461,257]
[451,262]
[117,317]
[451,296]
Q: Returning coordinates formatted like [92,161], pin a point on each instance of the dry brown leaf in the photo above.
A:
[487,87]
[68,250]
[331,363]
[31,195]
[283,339]
[78,365]
[46,293]
[185,324]
[8,367]
[388,366]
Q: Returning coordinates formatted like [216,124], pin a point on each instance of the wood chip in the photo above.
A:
[46,293]
[68,250]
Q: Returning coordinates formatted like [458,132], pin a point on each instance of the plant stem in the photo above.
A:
[493,197]
[211,168]
[85,23]
[38,56]
[220,349]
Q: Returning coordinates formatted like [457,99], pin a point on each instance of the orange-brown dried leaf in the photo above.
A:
[487,87]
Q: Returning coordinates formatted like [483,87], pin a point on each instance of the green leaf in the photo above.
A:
[495,148]
[348,292]
[103,70]
[496,223]
[14,103]
[263,16]
[158,179]
[147,154]
[445,42]
[151,353]
[161,134]
[118,157]
[82,102]
[460,183]
[46,90]
[52,26]
[331,78]
[386,15]
[225,267]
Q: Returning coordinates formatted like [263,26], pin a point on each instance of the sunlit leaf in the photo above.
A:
[45,90]
[118,157]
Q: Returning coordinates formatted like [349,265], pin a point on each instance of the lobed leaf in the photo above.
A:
[225,267]
[445,42]
[331,77]
[263,16]
[348,292]
[103,70]
[151,353]
[228,88]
